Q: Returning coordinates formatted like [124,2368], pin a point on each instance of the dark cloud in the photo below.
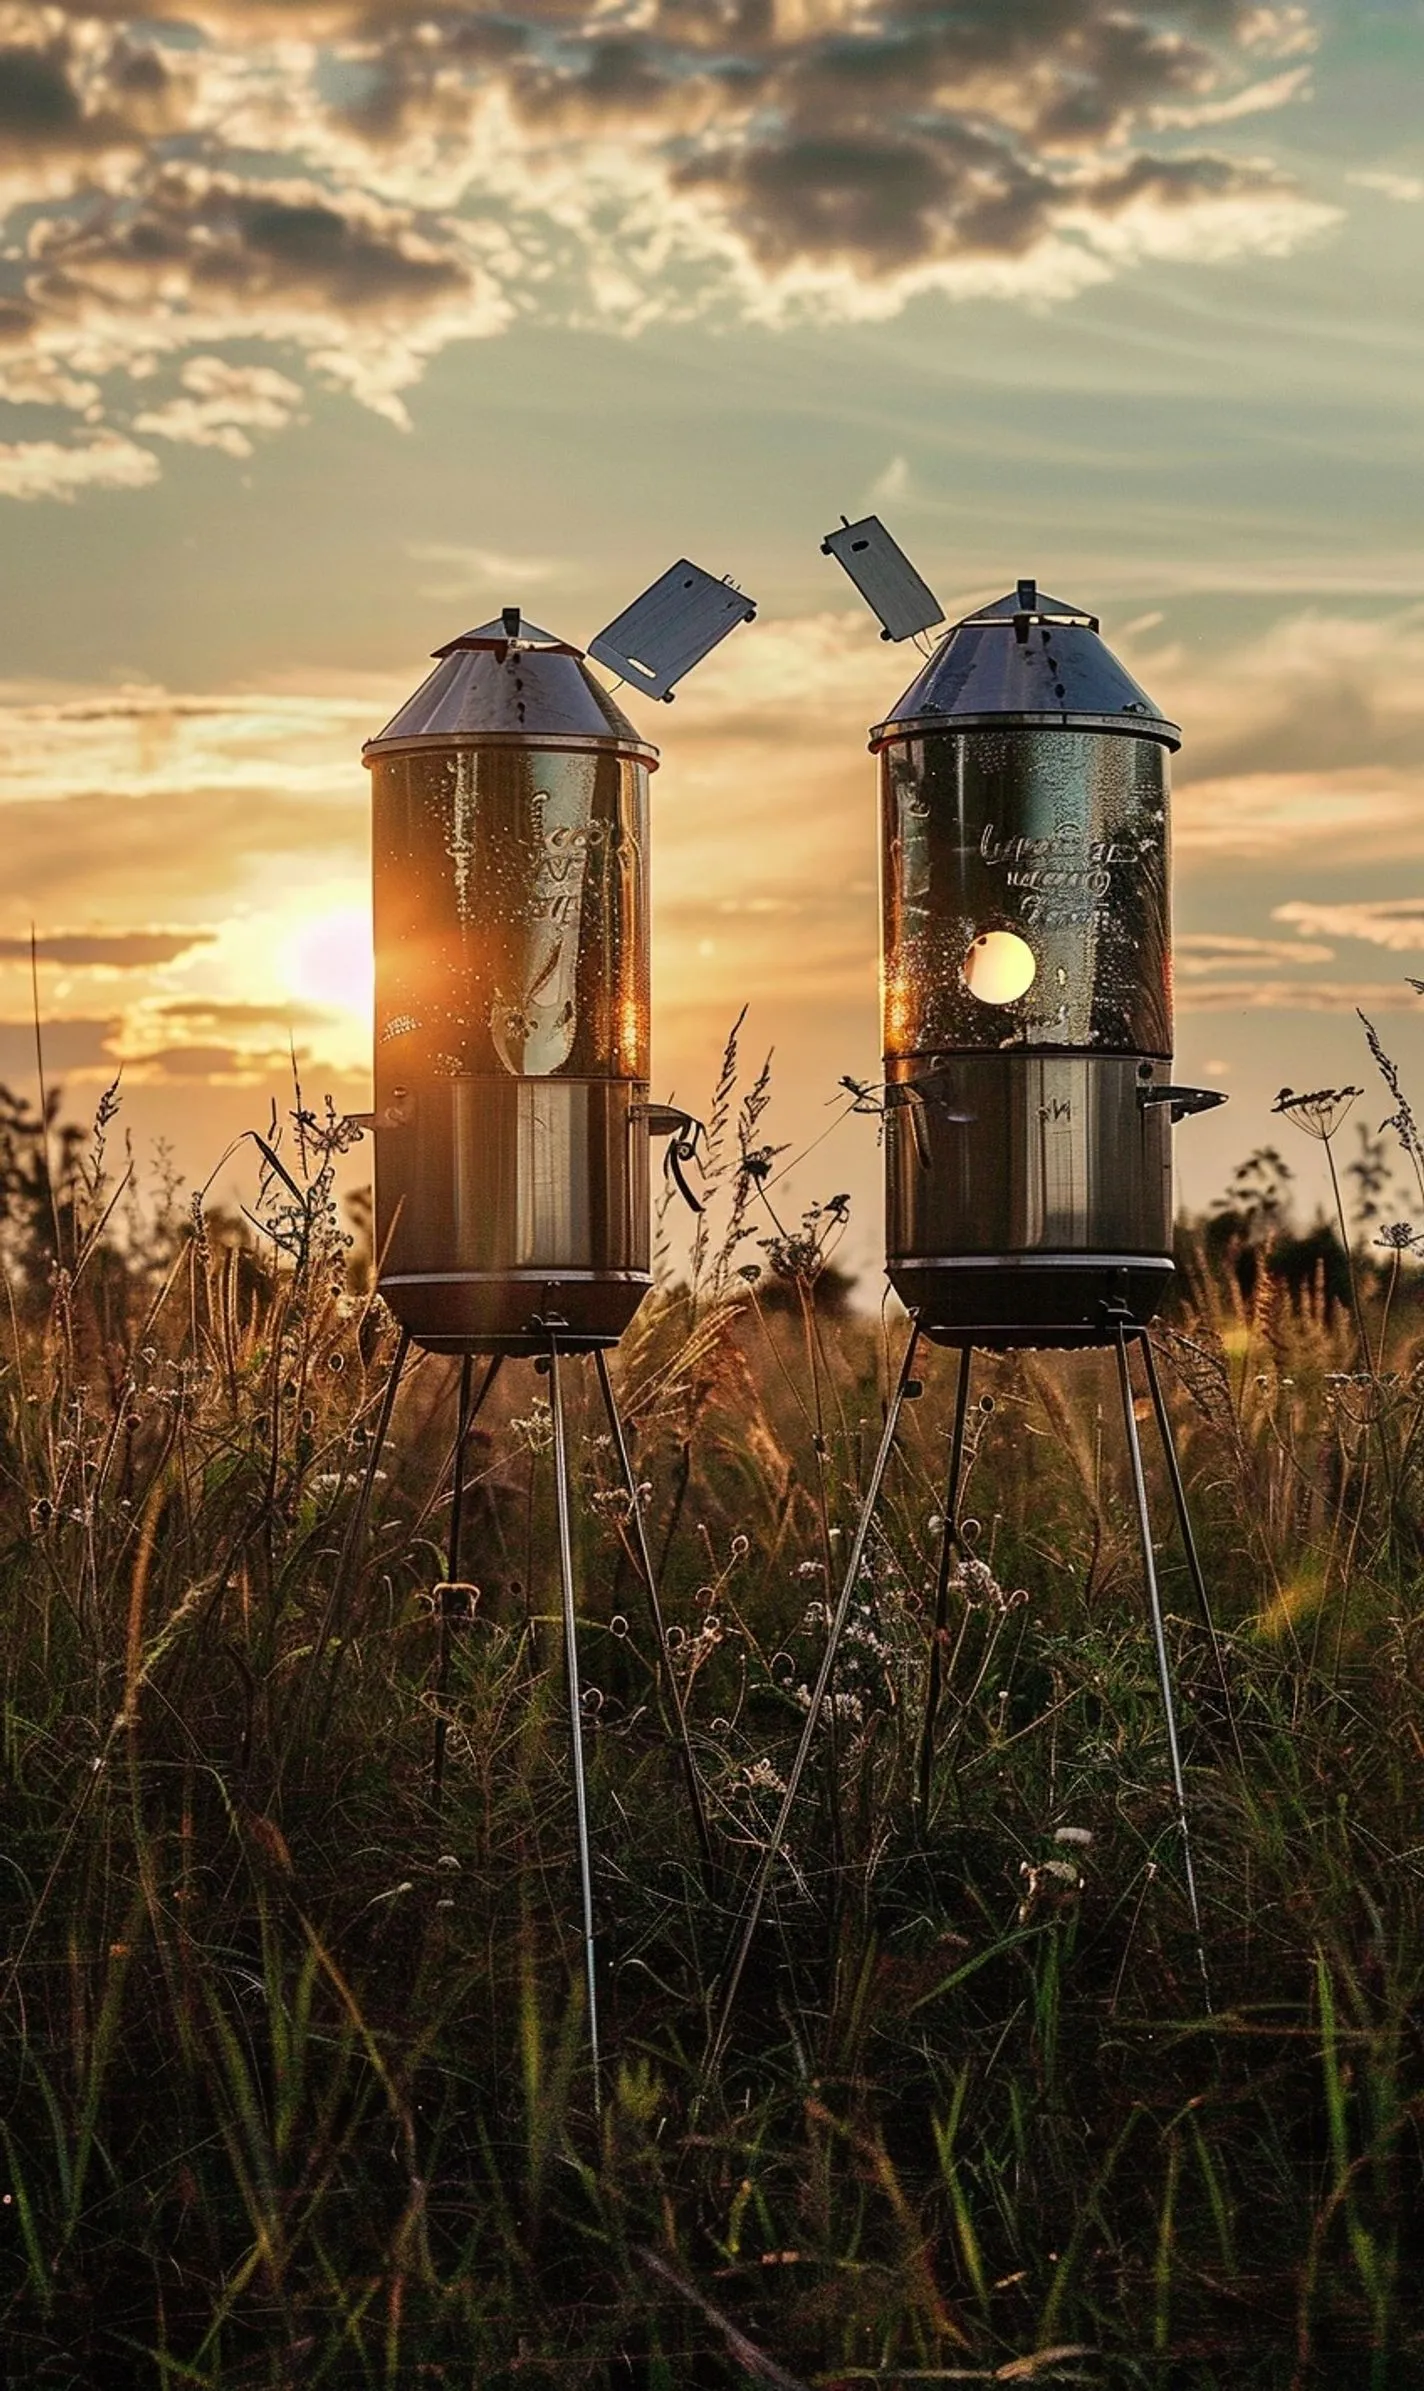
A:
[57,98]
[882,201]
[210,1062]
[199,187]
[199,1014]
[113,950]
[68,1046]
[38,98]
[227,241]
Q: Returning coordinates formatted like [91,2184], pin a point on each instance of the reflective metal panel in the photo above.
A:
[505,1201]
[671,627]
[510,914]
[885,577]
[1059,836]
[1025,1191]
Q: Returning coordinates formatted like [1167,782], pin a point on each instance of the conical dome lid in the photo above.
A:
[508,682]
[1026,659]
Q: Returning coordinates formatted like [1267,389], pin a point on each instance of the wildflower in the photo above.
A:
[449,1863]
[1058,1879]
[976,1581]
[1073,1834]
[536,1428]
[1320,1112]
[761,1777]
[1397,1237]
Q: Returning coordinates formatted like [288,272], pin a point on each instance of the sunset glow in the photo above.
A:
[327,961]
[297,391]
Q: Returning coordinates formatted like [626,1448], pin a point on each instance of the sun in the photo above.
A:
[326,960]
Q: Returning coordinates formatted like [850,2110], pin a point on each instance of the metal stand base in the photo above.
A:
[1120,1334]
[451,1596]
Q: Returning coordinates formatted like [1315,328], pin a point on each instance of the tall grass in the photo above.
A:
[292,2080]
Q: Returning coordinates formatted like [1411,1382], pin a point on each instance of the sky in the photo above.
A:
[328,329]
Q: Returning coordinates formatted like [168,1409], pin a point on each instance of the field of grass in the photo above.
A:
[293,2074]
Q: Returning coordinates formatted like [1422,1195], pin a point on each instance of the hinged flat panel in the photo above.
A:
[885,577]
[670,628]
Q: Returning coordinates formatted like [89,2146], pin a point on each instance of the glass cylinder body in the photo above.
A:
[512,1019]
[1028,1170]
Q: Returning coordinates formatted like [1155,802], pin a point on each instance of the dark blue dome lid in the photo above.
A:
[1031,660]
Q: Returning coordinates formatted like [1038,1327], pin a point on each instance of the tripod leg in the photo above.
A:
[1184,1525]
[469,1412]
[571,1671]
[772,1853]
[948,1542]
[638,1533]
[1159,1638]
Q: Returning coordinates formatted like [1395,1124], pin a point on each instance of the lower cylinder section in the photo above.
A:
[508,1205]
[1028,1196]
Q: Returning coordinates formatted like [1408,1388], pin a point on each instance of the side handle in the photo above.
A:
[398,1114]
[684,1134]
[1182,1100]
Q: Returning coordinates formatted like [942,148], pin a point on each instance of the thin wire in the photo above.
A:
[752,1914]
[666,1673]
[949,1539]
[1159,1638]
[571,1671]
[468,1414]
[1189,1544]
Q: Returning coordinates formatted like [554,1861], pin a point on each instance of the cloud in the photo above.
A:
[1200,952]
[1393,922]
[221,403]
[51,469]
[892,486]
[108,950]
[1277,91]
[1405,187]
[465,572]
[210,1013]
[1308,737]
[92,846]
[358,183]
[366,291]
[218,1065]
[1298,996]
[69,1046]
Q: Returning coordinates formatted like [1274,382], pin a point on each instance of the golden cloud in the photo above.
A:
[361,183]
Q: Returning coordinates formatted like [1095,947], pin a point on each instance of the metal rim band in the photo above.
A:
[551,1277]
[947,1054]
[1081,1258]
[1133,726]
[558,742]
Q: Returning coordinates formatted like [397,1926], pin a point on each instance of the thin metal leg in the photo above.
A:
[637,1529]
[571,1670]
[1159,1638]
[1184,1525]
[468,1413]
[752,1915]
[948,1543]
